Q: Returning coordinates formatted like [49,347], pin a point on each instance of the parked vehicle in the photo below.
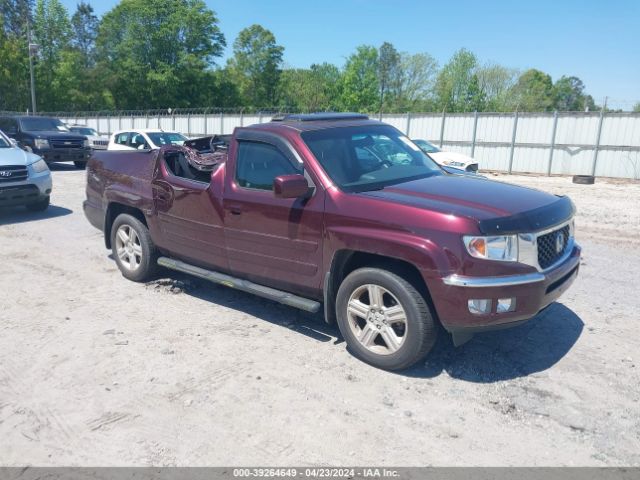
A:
[96,141]
[299,211]
[48,138]
[25,178]
[448,159]
[144,139]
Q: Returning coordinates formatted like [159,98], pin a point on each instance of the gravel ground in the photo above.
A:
[96,370]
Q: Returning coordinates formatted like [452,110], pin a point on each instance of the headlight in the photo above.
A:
[41,143]
[504,247]
[86,143]
[39,166]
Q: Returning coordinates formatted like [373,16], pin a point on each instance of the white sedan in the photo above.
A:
[144,139]
[448,159]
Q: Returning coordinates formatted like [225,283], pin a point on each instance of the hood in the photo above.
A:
[16,156]
[441,157]
[477,198]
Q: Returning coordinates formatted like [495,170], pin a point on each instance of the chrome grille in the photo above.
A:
[552,245]
[103,143]
[13,173]
[58,143]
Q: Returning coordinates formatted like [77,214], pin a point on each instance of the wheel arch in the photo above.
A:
[113,210]
[345,261]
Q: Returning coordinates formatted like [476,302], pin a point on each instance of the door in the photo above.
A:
[272,241]
[189,215]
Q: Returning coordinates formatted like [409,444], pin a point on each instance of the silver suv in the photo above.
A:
[25,178]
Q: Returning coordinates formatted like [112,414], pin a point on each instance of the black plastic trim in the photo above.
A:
[534,220]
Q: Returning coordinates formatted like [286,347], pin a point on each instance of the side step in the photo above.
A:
[240,284]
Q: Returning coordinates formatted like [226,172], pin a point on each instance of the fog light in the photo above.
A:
[506,305]
[479,306]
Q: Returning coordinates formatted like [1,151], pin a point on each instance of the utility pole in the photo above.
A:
[33,48]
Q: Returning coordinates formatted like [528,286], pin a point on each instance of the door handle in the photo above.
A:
[235,209]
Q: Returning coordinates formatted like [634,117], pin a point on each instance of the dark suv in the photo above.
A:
[47,137]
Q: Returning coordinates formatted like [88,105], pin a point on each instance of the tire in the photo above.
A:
[39,206]
[413,338]
[584,179]
[136,260]
[80,165]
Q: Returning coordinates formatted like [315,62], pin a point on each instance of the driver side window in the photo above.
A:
[258,164]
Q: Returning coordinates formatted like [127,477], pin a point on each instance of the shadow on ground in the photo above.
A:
[489,357]
[19,214]
[506,354]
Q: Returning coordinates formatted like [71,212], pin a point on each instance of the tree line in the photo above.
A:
[155,54]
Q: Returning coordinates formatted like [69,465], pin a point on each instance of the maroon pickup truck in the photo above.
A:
[346,212]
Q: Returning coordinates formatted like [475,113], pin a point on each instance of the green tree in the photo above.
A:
[457,87]
[15,14]
[156,53]
[256,66]
[533,92]
[414,83]
[84,32]
[14,71]
[495,82]
[52,32]
[388,71]
[313,89]
[360,86]
[636,107]
[569,95]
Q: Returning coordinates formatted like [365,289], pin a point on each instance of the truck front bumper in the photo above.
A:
[64,154]
[529,293]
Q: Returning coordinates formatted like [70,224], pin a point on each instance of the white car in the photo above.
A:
[144,139]
[96,141]
[448,159]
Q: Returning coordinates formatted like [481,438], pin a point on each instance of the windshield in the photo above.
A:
[84,131]
[426,147]
[42,125]
[368,157]
[166,138]
[4,141]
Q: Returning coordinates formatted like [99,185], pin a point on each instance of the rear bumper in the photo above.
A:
[533,292]
[64,154]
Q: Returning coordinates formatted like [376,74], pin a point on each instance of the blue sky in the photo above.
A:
[596,40]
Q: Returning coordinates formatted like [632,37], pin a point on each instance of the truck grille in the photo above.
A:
[552,245]
[57,143]
[102,143]
[13,173]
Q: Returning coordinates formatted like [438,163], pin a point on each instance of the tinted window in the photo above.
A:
[166,138]
[121,138]
[84,131]
[4,141]
[8,125]
[258,164]
[368,157]
[137,140]
[42,125]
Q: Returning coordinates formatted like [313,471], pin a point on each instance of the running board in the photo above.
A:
[240,284]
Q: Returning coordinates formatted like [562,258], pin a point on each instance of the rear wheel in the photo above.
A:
[133,249]
[384,319]
[39,206]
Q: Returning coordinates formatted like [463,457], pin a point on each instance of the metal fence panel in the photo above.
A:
[605,144]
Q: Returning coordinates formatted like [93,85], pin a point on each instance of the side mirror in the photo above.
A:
[290,186]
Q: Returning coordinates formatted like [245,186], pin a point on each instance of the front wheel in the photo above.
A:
[384,319]
[133,249]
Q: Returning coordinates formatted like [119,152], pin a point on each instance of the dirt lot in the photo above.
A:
[96,370]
